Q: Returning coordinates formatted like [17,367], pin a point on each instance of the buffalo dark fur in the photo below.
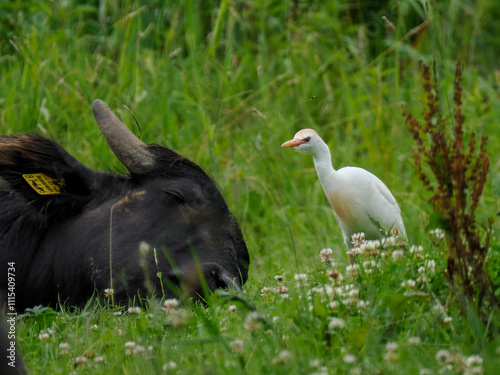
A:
[161,230]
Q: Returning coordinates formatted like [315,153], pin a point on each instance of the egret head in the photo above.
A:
[306,141]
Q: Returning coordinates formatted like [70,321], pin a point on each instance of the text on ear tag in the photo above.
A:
[43,184]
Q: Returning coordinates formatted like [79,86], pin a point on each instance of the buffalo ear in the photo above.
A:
[43,174]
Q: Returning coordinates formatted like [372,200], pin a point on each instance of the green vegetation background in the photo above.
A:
[225,83]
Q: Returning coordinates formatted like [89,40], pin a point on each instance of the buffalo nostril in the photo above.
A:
[218,278]
[229,282]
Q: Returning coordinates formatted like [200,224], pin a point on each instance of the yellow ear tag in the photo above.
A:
[43,184]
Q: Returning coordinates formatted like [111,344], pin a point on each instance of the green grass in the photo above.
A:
[225,84]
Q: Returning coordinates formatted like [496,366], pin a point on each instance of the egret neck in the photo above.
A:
[324,168]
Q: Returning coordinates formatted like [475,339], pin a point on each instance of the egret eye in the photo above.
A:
[307,139]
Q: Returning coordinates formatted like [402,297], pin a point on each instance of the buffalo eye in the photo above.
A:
[175,195]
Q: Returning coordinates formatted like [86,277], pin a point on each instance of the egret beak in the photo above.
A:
[294,143]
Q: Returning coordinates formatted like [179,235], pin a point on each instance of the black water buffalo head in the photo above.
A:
[68,231]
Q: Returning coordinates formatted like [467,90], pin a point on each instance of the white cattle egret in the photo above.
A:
[360,201]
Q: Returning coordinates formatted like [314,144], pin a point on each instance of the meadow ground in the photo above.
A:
[225,83]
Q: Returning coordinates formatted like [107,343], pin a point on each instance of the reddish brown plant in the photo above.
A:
[455,173]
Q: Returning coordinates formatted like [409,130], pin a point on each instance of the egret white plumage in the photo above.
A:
[360,201]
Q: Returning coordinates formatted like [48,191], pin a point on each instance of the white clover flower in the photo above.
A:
[408,283]
[237,346]
[170,304]
[430,264]
[358,239]
[99,359]
[325,255]
[417,252]
[390,354]
[352,271]
[281,289]
[443,356]
[438,309]
[231,308]
[416,249]
[349,301]
[133,348]
[80,360]
[316,290]
[355,251]
[44,336]
[138,349]
[252,321]
[171,365]
[349,287]
[282,358]
[134,310]
[473,360]
[314,363]
[301,279]
[447,319]
[350,359]
[438,233]
[397,254]
[389,242]
[330,292]
[353,293]
[108,292]
[267,292]
[413,340]
[336,323]
[370,249]
[179,317]
[372,245]
[425,371]
[368,265]
[278,278]
[335,276]
[395,232]
[391,346]
[64,346]
[333,305]
[361,305]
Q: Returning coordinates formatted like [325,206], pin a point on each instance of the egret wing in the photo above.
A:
[382,206]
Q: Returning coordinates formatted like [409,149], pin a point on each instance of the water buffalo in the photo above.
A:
[67,231]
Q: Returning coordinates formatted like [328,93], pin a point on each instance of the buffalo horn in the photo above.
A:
[129,149]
